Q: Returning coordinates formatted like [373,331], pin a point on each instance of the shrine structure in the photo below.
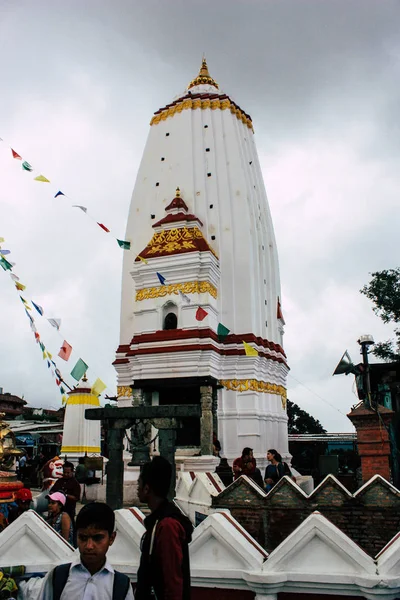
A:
[202,277]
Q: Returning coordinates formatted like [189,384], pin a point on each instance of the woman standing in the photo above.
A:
[59,520]
[275,471]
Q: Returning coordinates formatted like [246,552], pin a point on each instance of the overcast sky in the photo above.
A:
[79,84]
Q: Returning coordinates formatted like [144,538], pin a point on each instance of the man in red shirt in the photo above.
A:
[245,464]
[164,571]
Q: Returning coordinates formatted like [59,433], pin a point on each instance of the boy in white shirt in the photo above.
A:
[89,577]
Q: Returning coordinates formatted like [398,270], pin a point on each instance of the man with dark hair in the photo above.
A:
[89,577]
[68,485]
[245,464]
[164,572]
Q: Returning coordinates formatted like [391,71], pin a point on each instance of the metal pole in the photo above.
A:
[367,381]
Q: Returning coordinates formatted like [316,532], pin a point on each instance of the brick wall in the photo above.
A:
[370,518]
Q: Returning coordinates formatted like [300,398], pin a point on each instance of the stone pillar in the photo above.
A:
[266,597]
[139,434]
[206,421]
[115,466]
[373,439]
[215,411]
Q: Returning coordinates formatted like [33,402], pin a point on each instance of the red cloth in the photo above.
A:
[240,468]
[168,554]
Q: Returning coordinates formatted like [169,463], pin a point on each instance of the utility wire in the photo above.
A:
[318,396]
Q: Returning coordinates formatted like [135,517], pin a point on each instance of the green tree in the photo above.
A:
[384,292]
[299,421]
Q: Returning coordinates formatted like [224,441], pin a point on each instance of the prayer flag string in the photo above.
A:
[27,167]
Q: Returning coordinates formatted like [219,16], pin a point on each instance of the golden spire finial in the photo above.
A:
[177,193]
[203,77]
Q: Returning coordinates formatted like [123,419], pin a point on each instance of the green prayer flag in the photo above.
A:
[124,244]
[26,166]
[5,264]
[222,331]
[79,370]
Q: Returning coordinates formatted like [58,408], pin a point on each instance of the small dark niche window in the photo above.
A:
[211,205]
[205,126]
[167,134]
[208,174]
[207,149]
[265,281]
[213,237]
[170,321]
[153,216]
[266,323]
[265,302]
[251,162]
[254,187]
[263,248]
[157,184]
[162,158]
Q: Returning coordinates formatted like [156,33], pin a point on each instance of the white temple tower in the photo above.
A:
[80,436]
[213,240]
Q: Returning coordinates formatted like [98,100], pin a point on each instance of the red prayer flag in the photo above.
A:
[103,227]
[16,155]
[201,314]
[65,351]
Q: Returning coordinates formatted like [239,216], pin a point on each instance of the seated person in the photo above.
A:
[245,464]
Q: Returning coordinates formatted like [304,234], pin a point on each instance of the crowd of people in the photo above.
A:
[164,571]
[247,465]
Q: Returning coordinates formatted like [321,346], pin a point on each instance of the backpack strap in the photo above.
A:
[121,586]
[60,578]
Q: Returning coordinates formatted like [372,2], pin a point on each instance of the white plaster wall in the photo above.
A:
[239,219]
[79,431]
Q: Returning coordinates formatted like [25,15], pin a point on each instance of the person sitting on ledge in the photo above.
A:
[245,464]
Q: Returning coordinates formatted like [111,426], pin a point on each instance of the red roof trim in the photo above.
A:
[164,335]
[177,203]
[245,534]
[177,218]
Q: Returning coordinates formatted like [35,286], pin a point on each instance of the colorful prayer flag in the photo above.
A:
[26,166]
[222,331]
[42,178]
[124,244]
[83,208]
[16,155]
[64,400]
[2,240]
[14,277]
[37,336]
[55,323]
[29,317]
[44,355]
[184,297]
[62,390]
[20,286]
[48,364]
[49,355]
[42,346]
[24,302]
[59,193]
[98,387]
[161,278]
[79,370]
[201,314]
[65,351]
[146,262]
[5,252]
[103,227]
[7,266]
[38,308]
[250,351]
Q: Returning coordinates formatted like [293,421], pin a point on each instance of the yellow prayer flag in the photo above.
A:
[49,355]
[64,399]
[250,351]
[42,178]
[98,387]
[44,354]
[20,286]
[143,259]
[2,240]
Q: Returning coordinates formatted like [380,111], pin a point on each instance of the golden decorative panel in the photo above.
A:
[244,385]
[189,287]
[170,111]
[171,241]
[125,391]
